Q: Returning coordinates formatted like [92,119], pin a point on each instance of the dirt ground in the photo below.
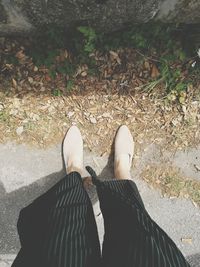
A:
[37,110]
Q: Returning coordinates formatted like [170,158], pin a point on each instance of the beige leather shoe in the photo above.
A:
[124,149]
[73,150]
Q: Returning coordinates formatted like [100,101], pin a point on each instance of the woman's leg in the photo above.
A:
[58,229]
[132,238]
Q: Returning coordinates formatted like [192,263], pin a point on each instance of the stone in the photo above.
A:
[2,40]
[24,16]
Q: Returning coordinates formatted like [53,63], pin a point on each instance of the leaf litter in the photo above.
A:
[98,105]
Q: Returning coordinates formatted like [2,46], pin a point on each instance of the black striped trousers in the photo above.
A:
[58,229]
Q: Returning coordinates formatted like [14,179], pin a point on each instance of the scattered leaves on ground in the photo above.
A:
[171,183]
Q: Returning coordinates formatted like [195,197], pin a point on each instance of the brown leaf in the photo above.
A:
[197,167]
[154,72]
[20,54]
[115,56]
[30,79]
[14,83]
[147,65]
[47,78]
[84,73]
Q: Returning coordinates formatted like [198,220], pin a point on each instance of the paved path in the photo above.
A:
[25,173]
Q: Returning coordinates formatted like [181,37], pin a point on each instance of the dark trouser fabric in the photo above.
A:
[59,230]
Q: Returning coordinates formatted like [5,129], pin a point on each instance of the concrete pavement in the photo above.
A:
[26,173]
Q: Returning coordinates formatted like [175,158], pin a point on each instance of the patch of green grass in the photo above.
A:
[57,92]
[172,78]
[70,85]
[4,116]
[66,67]
[52,74]
[176,186]
[145,36]
[172,183]
[89,38]
[11,59]
[30,126]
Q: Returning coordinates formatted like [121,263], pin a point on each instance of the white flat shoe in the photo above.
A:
[124,150]
[73,150]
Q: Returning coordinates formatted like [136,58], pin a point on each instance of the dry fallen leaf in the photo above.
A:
[197,167]
[84,73]
[14,83]
[195,204]
[20,54]
[70,114]
[186,240]
[93,120]
[47,78]
[154,72]
[147,65]
[1,106]
[115,56]
[20,130]
[35,69]
[30,79]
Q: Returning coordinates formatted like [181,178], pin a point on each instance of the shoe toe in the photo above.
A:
[124,143]
[73,145]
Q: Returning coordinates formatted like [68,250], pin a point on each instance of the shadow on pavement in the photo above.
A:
[11,204]
[108,170]
[2,190]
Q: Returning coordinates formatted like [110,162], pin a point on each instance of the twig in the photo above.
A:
[152,59]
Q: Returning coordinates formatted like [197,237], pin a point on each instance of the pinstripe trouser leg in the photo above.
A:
[132,238]
[58,229]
